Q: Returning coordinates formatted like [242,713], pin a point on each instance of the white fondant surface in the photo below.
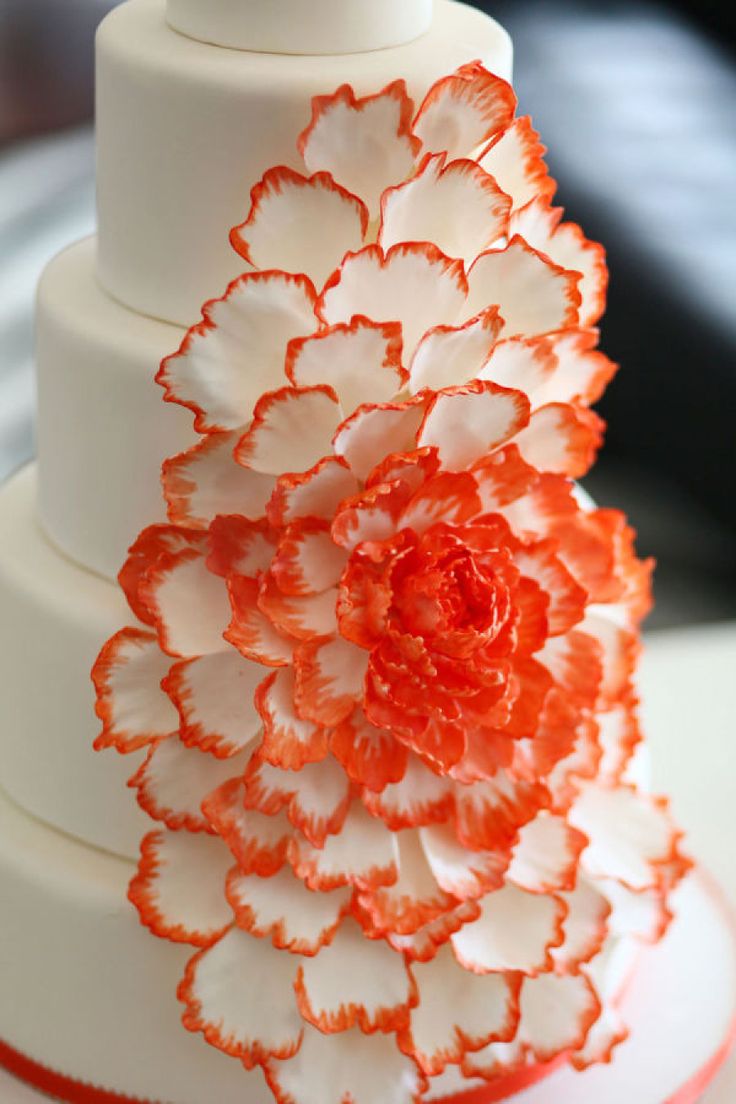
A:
[294,27]
[185,129]
[55,617]
[103,426]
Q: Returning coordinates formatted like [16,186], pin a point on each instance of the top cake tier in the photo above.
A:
[297,27]
[186,128]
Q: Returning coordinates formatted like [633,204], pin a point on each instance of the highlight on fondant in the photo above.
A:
[382,655]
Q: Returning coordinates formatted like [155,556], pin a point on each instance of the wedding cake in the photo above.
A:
[370,661]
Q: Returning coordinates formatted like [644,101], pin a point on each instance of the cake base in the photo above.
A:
[681,1007]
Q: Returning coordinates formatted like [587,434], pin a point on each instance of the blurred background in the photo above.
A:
[637,104]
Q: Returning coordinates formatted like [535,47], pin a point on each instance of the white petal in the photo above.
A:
[332,1069]
[292,429]
[223,990]
[449,356]
[533,295]
[469,422]
[180,887]
[516,160]
[464,110]
[296,918]
[300,224]
[515,931]
[228,361]
[174,781]
[366,144]
[457,206]
[413,284]
[215,697]
[207,481]
[130,702]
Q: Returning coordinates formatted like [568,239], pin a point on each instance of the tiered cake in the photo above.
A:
[197,100]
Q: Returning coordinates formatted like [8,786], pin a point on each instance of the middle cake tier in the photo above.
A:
[103,427]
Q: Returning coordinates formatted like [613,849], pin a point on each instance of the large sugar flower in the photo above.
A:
[384,653]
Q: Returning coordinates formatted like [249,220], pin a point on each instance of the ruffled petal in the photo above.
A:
[179,887]
[608,1032]
[355,981]
[516,930]
[304,617]
[366,144]
[300,224]
[631,835]
[329,680]
[174,780]
[364,854]
[281,907]
[133,708]
[188,604]
[567,599]
[463,111]
[215,698]
[308,561]
[574,661]
[313,494]
[557,1013]
[420,797]
[414,284]
[316,798]
[561,440]
[516,160]
[581,372]
[460,872]
[423,944]
[258,842]
[227,361]
[359,360]
[251,631]
[466,423]
[449,497]
[291,430]
[221,989]
[206,481]
[364,1069]
[240,546]
[458,1012]
[372,432]
[414,899]
[371,757]
[489,814]
[533,295]
[545,860]
[455,205]
[525,364]
[448,356]
[586,927]
[289,741]
[566,244]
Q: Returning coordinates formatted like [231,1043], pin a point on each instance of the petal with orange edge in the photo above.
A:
[533,295]
[464,110]
[352,981]
[218,991]
[227,361]
[133,708]
[206,481]
[366,144]
[453,204]
[458,1011]
[174,780]
[360,360]
[215,698]
[300,224]
[413,283]
[291,430]
[296,918]
[179,889]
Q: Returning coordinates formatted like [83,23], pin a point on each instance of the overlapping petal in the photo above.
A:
[384,654]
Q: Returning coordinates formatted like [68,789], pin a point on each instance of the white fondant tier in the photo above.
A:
[185,129]
[103,428]
[295,27]
[87,991]
[55,619]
